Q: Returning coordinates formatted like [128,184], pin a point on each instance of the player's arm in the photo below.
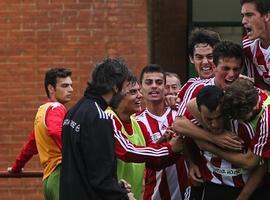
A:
[130,152]
[246,160]
[185,127]
[28,150]
[54,121]
[253,182]
[160,163]
[227,139]
[192,156]
[260,142]
[176,144]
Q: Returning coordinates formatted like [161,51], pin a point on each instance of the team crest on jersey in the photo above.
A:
[164,127]
[261,69]
[155,137]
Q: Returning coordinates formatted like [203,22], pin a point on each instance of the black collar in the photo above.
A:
[96,97]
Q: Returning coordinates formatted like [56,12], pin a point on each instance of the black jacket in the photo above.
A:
[88,170]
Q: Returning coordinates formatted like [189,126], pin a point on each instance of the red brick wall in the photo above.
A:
[35,35]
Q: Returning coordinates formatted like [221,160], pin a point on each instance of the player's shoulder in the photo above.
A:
[56,104]
[140,114]
[56,107]
[198,84]
[194,79]
[248,43]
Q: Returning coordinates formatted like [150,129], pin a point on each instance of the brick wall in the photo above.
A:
[35,35]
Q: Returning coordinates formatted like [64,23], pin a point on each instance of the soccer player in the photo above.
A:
[29,148]
[200,50]
[222,180]
[228,58]
[241,106]
[169,182]
[256,22]
[48,128]
[129,167]
[245,102]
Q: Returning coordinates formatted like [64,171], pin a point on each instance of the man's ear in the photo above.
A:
[191,59]
[267,17]
[50,89]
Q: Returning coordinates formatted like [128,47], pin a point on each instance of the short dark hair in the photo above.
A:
[52,75]
[202,36]
[239,99]
[262,6]
[116,99]
[227,49]
[107,74]
[151,68]
[210,96]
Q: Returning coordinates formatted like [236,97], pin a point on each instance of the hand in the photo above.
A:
[171,101]
[228,140]
[12,170]
[167,136]
[9,169]
[195,174]
[131,196]
[124,184]
[177,144]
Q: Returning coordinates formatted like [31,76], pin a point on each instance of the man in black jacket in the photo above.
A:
[88,170]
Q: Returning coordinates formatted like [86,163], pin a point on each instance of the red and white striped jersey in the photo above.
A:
[215,169]
[190,91]
[129,152]
[170,182]
[260,144]
[257,62]
[219,171]
[183,89]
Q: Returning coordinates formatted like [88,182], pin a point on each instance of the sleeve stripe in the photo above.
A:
[128,147]
[187,97]
[195,121]
[102,114]
[263,133]
[250,130]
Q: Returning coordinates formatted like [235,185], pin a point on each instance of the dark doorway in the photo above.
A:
[167,26]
